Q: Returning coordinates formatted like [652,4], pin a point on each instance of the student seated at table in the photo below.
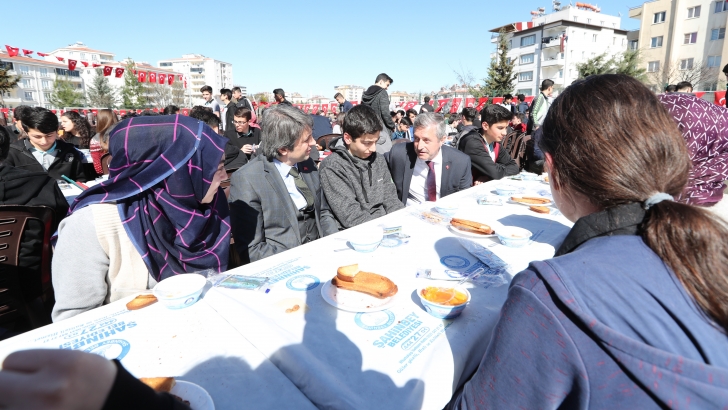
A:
[241,134]
[631,313]
[43,150]
[276,200]
[234,157]
[490,160]
[426,170]
[355,178]
[161,213]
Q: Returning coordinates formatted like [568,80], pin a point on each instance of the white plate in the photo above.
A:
[470,234]
[198,397]
[327,292]
[549,203]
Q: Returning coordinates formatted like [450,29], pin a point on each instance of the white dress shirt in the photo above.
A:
[418,184]
[298,200]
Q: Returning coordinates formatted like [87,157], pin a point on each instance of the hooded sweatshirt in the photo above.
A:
[357,190]
[377,98]
[586,330]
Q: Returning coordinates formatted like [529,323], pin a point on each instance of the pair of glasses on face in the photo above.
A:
[240,122]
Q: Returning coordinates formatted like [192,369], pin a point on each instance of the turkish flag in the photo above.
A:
[85,64]
[469,102]
[699,94]
[162,78]
[720,98]
[27,52]
[325,108]
[95,112]
[409,105]
[59,58]
[185,111]
[107,71]
[156,110]
[170,79]
[497,100]
[118,72]
[306,107]
[139,111]
[53,111]
[152,77]
[441,104]
[72,64]
[141,76]
[122,112]
[5,110]
[179,77]
[42,54]
[529,99]
[334,106]
[315,108]
[185,84]
[354,102]
[12,51]
[455,105]
[481,103]
[94,65]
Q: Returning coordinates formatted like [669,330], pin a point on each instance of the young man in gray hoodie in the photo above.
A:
[355,179]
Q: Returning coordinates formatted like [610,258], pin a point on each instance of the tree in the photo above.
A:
[627,63]
[261,97]
[467,79]
[66,93]
[596,66]
[100,93]
[178,94]
[501,78]
[630,64]
[677,71]
[132,92]
[7,83]
[158,95]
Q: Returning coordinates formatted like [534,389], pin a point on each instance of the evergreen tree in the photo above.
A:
[627,63]
[132,92]
[100,93]
[7,83]
[501,78]
[595,66]
[66,93]
[630,64]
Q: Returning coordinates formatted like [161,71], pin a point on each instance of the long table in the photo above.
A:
[256,349]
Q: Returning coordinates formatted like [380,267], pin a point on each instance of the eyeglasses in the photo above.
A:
[240,122]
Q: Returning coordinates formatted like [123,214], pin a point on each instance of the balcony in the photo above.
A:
[555,61]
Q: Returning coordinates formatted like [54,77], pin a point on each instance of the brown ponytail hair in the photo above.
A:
[612,141]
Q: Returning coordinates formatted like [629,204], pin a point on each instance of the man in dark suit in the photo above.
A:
[426,170]
[276,201]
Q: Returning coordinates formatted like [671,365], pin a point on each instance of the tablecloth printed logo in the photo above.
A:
[389,242]
[110,349]
[374,320]
[94,333]
[303,283]
[454,262]
[401,331]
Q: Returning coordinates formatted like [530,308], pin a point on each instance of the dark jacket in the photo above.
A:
[234,157]
[346,106]
[13,131]
[603,325]
[473,145]
[456,175]
[229,114]
[68,161]
[243,103]
[427,108]
[285,102]
[20,187]
[377,98]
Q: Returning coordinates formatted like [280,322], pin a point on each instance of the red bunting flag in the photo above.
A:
[699,94]
[497,100]
[529,99]
[179,77]
[720,98]
[60,58]
[441,104]
[12,51]
[409,105]
[139,111]
[94,65]
[107,71]
[315,108]
[185,83]
[72,64]
[152,77]
[334,106]
[53,111]
[118,72]
[156,110]
[469,102]
[42,54]
[142,76]
[325,108]
[27,52]
[122,112]
[162,78]
[5,110]
[95,112]
[354,102]
[481,103]
[455,105]
[185,111]
[306,108]
[85,64]
[170,79]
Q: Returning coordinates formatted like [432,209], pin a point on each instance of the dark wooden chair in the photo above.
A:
[17,293]
[324,140]
[105,160]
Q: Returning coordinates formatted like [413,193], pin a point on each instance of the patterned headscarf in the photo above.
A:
[705,128]
[161,168]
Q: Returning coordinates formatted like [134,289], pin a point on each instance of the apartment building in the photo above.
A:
[36,80]
[551,44]
[198,70]
[350,92]
[682,40]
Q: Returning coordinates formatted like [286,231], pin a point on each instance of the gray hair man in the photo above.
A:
[276,202]
[425,169]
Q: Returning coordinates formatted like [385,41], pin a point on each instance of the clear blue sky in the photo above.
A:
[304,46]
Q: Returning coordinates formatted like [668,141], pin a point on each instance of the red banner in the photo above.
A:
[27,52]
[325,108]
[185,84]
[72,64]
[455,105]
[95,112]
[118,72]
[163,79]
[699,94]
[497,100]
[409,105]
[12,51]
[53,111]
[156,110]
[720,98]
[481,103]
[469,102]
[139,111]
[334,107]
[85,64]
[142,76]
[170,79]
[441,104]
[60,58]
[152,77]
[306,108]
[185,111]
[122,112]
[107,71]
[94,65]
[529,99]
[42,54]
[5,110]
[354,102]
[315,108]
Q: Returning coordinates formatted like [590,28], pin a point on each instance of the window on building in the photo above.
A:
[510,44]
[583,55]
[528,40]
[686,64]
[48,106]
[525,76]
[690,38]
[713,61]
[561,73]
[710,87]
[634,44]
[588,21]
[527,58]
[47,84]
[83,55]
[29,95]
[653,66]
[44,72]
[71,53]
[594,38]
[693,12]
[524,91]
[25,82]
[601,23]
[655,42]
[23,69]
[721,6]
[659,17]
[614,41]
[717,33]
[94,57]
[165,64]
[47,96]
[576,18]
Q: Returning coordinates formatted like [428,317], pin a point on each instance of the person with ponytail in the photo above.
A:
[632,312]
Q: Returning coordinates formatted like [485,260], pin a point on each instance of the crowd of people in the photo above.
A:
[641,176]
